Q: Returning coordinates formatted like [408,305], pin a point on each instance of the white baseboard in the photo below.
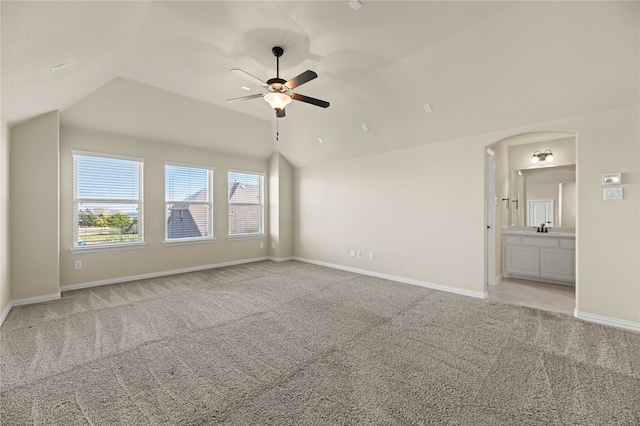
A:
[599,319]
[613,322]
[27,301]
[36,299]
[280,259]
[5,312]
[160,274]
[448,289]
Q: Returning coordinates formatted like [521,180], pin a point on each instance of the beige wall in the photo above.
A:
[609,231]
[5,290]
[410,207]
[34,207]
[280,207]
[421,210]
[155,257]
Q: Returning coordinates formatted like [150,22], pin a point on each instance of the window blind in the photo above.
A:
[189,202]
[246,208]
[107,200]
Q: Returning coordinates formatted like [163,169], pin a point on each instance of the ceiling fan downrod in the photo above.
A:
[277,52]
[277,84]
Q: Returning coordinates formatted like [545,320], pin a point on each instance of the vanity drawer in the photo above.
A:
[511,240]
[540,242]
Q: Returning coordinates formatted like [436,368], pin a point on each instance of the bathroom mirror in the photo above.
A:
[553,186]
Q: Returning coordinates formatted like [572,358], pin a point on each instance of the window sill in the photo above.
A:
[245,237]
[182,242]
[107,247]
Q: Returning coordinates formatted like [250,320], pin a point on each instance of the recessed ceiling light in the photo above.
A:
[365,128]
[320,140]
[355,4]
[58,67]
[245,88]
[427,108]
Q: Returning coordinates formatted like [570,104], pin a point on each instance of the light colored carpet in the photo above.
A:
[298,344]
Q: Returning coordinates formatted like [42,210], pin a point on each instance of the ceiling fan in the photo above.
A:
[279,93]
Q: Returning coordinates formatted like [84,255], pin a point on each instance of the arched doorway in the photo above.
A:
[538,287]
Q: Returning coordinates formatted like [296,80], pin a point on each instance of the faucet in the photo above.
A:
[541,228]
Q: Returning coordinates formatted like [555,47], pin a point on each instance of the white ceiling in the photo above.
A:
[161,70]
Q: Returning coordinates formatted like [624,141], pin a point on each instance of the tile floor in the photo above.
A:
[549,297]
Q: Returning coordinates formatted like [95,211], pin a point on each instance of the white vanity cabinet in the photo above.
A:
[541,257]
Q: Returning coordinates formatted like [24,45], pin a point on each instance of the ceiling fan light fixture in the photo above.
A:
[277,100]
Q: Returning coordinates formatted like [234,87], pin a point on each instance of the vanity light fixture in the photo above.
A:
[546,156]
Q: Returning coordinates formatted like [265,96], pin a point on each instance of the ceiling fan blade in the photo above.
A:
[281,113]
[249,77]
[309,100]
[245,98]
[308,75]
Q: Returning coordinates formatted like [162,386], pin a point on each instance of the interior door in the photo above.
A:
[539,212]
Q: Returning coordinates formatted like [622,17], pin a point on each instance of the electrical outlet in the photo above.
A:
[273,245]
[261,245]
[358,253]
[352,253]
[77,264]
[372,255]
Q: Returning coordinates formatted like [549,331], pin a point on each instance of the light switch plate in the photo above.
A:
[613,193]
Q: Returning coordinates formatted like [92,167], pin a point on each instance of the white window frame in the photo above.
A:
[75,247]
[260,233]
[190,240]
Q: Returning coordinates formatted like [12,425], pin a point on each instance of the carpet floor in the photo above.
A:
[298,344]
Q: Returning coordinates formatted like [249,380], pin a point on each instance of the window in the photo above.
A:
[107,200]
[246,209]
[188,202]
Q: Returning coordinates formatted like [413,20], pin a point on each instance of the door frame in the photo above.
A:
[490,202]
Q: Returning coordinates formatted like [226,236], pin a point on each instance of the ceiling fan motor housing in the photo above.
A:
[277,85]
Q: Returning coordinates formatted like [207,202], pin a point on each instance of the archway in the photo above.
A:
[513,155]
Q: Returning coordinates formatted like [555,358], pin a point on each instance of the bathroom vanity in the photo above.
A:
[547,257]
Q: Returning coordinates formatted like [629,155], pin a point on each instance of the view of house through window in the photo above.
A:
[246,209]
[107,199]
[189,202]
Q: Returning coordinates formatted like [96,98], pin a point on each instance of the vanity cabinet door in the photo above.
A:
[522,260]
[557,264]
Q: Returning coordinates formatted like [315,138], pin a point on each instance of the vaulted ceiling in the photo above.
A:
[160,70]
